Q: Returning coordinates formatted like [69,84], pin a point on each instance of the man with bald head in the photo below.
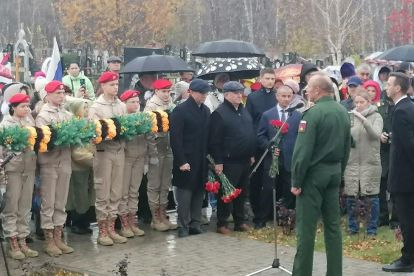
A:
[319,160]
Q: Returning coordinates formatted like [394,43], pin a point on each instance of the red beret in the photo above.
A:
[19,98]
[256,86]
[108,76]
[162,84]
[129,94]
[53,86]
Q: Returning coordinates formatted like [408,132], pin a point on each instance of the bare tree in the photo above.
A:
[340,17]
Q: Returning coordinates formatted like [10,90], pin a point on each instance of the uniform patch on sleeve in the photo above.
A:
[302,126]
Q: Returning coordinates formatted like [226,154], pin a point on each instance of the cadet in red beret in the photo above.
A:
[109,162]
[20,176]
[107,77]
[129,94]
[162,84]
[19,98]
[160,162]
[57,163]
[135,153]
[54,86]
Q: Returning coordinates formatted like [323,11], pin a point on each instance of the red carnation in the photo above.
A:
[216,185]
[276,123]
[237,192]
[209,187]
[226,199]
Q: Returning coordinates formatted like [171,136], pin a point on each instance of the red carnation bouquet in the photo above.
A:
[277,124]
[229,192]
[212,186]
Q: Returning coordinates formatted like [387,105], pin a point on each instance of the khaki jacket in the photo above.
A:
[103,109]
[159,141]
[23,162]
[82,158]
[136,148]
[363,172]
[47,116]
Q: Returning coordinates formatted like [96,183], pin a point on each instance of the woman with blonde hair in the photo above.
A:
[363,172]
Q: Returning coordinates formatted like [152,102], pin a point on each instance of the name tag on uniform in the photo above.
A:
[302,126]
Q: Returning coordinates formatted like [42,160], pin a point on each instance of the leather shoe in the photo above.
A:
[399,266]
[258,226]
[88,230]
[195,231]
[182,232]
[242,228]
[78,231]
[223,230]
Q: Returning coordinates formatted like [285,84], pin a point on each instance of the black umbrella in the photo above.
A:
[401,53]
[240,68]
[228,48]
[157,64]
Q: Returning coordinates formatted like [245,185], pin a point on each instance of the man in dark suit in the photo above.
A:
[189,130]
[257,103]
[401,172]
[265,134]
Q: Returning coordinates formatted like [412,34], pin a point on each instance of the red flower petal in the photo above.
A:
[276,123]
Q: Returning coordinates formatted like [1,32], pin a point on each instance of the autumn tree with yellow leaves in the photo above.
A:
[112,24]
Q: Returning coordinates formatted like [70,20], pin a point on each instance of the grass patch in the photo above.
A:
[384,248]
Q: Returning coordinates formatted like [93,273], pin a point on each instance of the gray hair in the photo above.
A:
[363,66]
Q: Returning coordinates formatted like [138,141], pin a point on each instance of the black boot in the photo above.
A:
[85,224]
[40,235]
[91,214]
[76,227]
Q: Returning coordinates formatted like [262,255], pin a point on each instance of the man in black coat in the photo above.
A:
[401,172]
[189,130]
[232,146]
[257,103]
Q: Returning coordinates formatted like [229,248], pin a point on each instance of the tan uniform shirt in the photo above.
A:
[159,140]
[27,160]
[53,115]
[104,109]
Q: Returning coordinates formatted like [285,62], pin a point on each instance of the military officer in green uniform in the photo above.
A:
[319,160]
[385,108]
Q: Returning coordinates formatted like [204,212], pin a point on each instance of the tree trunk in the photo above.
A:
[247,14]
[213,19]
[199,29]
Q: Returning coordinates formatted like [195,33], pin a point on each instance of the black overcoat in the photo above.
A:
[189,130]
[401,173]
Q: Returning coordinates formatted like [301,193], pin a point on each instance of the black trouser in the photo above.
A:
[144,211]
[405,211]
[384,218]
[238,175]
[283,192]
[256,183]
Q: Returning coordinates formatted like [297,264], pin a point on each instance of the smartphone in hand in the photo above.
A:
[82,82]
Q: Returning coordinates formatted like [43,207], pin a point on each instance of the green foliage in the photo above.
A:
[15,138]
[143,123]
[357,59]
[86,130]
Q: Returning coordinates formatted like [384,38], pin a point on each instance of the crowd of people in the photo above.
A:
[363,143]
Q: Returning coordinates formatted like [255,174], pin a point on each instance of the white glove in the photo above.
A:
[145,169]
[154,161]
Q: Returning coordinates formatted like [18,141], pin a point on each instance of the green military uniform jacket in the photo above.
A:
[385,109]
[324,139]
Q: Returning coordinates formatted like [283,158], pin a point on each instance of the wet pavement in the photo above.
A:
[165,254]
